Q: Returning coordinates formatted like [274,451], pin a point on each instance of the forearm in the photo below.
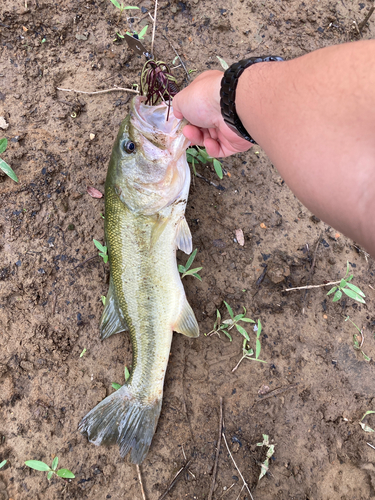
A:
[315,118]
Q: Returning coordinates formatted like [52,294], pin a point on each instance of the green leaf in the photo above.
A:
[257,348]
[201,159]
[229,309]
[224,64]
[218,169]
[365,356]
[181,268]
[127,374]
[192,151]
[54,463]
[197,276]
[365,427]
[3,145]
[49,475]
[218,319]
[337,296]
[81,356]
[128,7]
[350,277]
[142,33]
[203,153]
[248,320]
[116,4]
[239,317]
[332,290]
[228,335]
[66,474]
[105,259]
[99,246]
[356,289]
[103,299]
[353,295]
[3,463]
[368,412]
[116,386]
[119,35]
[249,352]
[243,332]
[191,258]
[37,465]
[192,271]
[259,331]
[343,283]
[7,169]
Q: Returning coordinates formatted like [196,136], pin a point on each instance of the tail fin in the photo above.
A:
[123,419]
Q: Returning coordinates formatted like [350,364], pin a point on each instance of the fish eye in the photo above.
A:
[129,146]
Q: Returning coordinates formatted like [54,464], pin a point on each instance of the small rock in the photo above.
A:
[277,272]
[27,366]
[240,237]
[3,124]
[92,137]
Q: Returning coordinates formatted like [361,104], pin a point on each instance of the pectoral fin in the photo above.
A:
[111,321]
[183,237]
[187,323]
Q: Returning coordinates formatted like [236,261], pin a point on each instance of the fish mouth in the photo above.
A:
[152,123]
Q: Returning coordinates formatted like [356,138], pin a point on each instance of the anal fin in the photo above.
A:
[186,322]
[112,320]
[183,237]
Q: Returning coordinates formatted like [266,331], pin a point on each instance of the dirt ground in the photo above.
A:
[50,297]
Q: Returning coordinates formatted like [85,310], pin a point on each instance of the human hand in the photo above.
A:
[199,103]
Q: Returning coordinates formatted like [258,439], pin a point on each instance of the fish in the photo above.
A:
[146,192]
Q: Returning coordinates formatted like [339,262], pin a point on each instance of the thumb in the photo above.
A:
[176,108]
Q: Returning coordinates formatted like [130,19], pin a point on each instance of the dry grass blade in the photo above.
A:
[234,463]
[99,91]
[175,479]
[217,451]
[141,482]
[312,286]
[154,28]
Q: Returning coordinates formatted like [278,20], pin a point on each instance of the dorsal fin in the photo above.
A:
[186,322]
[112,320]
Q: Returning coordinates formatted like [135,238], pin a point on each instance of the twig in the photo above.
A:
[217,451]
[99,91]
[311,269]
[312,286]
[175,479]
[54,304]
[276,392]
[362,24]
[371,445]
[206,180]
[84,262]
[177,54]
[238,470]
[239,494]
[140,482]
[154,28]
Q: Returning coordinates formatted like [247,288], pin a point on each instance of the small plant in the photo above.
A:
[356,343]
[138,36]
[200,154]
[228,324]
[271,450]
[3,164]
[3,463]
[41,466]
[348,288]
[185,271]
[364,426]
[102,251]
[103,299]
[247,351]
[118,386]
[83,353]
[122,7]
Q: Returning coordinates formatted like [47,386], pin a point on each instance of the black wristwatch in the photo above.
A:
[228,93]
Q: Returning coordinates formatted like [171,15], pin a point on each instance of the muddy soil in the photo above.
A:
[50,293]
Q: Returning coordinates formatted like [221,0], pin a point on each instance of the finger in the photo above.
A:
[194,134]
[213,147]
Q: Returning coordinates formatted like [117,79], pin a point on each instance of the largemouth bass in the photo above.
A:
[146,191]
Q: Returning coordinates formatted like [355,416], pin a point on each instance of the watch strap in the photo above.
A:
[228,93]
